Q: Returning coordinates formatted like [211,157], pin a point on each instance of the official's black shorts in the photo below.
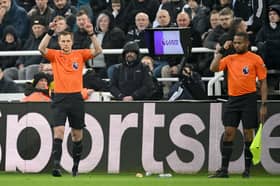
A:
[71,106]
[242,108]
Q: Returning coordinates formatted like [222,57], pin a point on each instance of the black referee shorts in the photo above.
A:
[71,106]
[241,108]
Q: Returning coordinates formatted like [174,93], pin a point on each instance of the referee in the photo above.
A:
[67,102]
[243,68]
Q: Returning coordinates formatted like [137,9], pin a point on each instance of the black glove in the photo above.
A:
[223,51]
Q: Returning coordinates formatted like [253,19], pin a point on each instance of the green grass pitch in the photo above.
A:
[129,179]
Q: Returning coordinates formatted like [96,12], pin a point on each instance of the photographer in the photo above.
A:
[190,86]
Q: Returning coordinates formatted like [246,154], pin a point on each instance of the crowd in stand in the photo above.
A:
[212,23]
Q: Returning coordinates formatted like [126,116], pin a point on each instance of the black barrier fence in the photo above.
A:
[181,137]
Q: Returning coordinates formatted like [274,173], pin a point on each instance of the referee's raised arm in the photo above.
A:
[214,66]
[46,39]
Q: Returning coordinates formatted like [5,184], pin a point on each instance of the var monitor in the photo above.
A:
[168,41]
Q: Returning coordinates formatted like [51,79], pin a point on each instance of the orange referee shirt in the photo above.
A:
[68,69]
[243,69]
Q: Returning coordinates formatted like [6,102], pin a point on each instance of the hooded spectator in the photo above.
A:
[132,79]
[9,42]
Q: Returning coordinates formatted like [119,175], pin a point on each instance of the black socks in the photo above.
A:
[226,154]
[248,155]
[57,151]
[77,151]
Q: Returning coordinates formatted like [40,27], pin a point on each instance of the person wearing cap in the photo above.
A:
[27,66]
[131,79]
[38,90]
[268,43]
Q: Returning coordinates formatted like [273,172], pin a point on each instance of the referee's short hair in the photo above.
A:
[242,34]
[64,33]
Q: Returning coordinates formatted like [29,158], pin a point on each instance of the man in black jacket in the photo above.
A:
[131,79]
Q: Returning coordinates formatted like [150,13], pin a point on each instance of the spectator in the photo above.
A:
[12,14]
[268,38]
[6,86]
[38,90]
[85,5]
[157,90]
[173,8]
[131,79]
[220,4]
[190,86]
[43,10]
[99,6]
[199,15]
[116,8]
[65,9]
[27,66]
[135,6]
[212,40]
[163,18]
[226,40]
[206,58]
[268,43]
[213,21]
[9,42]
[61,26]
[110,37]
[26,4]
[208,3]
[81,39]
[137,34]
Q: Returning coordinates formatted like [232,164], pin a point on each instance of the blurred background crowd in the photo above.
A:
[212,23]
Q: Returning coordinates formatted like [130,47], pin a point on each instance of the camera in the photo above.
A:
[187,71]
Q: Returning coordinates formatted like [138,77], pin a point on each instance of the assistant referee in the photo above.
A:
[243,68]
